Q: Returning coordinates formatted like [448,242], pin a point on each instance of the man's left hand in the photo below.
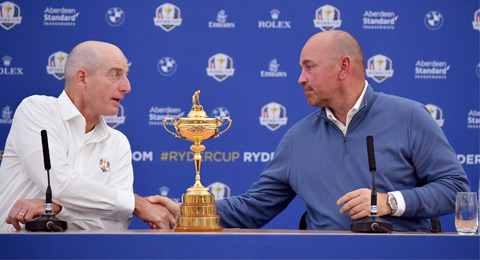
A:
[357,203]
[26,210]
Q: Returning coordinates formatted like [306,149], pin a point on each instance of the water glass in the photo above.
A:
[466,213]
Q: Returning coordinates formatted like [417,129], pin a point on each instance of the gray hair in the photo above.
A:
[83,56]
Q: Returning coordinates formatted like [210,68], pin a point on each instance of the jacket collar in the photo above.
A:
[368,97]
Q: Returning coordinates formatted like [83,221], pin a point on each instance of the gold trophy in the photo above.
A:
[198,211]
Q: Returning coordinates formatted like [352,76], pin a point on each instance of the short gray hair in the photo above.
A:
[83,56]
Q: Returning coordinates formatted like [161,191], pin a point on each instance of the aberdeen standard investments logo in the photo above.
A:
[60,16]
[273,116]
[327,18]
[379,20]
[431,69]
[473,119]
[156,115]
[220,67]
[56,64]
[167,17]
[9,15]
[379,68]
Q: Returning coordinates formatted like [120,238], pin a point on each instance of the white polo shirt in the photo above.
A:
[91,175]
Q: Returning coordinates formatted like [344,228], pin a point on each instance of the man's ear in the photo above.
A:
[81,78]
[345,64]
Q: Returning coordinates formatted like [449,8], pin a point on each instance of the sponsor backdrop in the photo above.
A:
[243,56]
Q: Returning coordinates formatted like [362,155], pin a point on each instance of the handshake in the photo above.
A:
[157,211]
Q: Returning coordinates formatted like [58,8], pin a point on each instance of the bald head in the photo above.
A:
[339,44]
[88,56]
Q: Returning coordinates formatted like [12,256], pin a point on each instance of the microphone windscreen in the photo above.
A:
[46,153]
[371,154]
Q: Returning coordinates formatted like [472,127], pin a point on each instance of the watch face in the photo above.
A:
[392,201]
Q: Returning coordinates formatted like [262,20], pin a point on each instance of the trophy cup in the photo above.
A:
[198,211]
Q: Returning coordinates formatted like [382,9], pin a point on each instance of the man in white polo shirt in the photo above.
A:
[91,172]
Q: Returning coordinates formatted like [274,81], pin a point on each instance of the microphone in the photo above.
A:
[48,221]
[372,223]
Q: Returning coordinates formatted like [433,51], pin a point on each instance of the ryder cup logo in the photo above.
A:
[436,113]
[114,121]
[104,165]
[56,64]
[220,67]
[219,190]
[167,17]
[9,15]
[476,20]
[167,66]
[327,18]
[379,68]
[115,16]
[273,116]
[433,20]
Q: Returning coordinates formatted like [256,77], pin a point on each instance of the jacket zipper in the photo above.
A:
[345,135]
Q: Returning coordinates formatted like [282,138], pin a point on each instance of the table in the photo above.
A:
[237,244]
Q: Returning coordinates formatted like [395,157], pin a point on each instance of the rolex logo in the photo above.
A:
[7,60]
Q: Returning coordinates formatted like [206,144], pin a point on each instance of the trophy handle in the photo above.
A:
[229,124]
[166,128]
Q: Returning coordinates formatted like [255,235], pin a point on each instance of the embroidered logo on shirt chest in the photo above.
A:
[104,165]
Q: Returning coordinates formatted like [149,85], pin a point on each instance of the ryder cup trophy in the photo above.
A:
[198,211]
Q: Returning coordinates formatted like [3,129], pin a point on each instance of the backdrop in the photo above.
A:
[243,56]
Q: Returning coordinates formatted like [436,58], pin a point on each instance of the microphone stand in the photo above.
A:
[372,223]
[48,221]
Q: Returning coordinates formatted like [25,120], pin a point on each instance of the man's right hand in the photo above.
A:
[172,206]
[153,213]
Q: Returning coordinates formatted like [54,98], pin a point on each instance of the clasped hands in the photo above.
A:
[157,211]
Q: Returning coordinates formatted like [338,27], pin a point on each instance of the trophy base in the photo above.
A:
[198,214]
[198,229]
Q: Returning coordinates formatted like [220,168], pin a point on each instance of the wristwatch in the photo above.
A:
[392,202]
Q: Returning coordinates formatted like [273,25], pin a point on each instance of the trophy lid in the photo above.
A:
[197,112]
